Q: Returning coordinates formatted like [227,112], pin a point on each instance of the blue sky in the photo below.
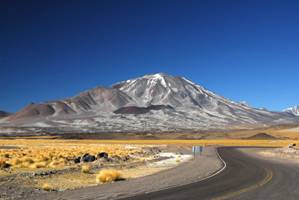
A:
[243,50]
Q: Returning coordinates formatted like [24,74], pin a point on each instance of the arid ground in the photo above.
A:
[35,166]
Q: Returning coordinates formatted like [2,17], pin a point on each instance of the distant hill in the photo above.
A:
[261,136]
[4,114]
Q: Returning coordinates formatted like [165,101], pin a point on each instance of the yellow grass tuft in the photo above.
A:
[27,159]
[15,161]
[46,187]
[85,169]
[25,164]
[38,165]
[107,175]
[55,164]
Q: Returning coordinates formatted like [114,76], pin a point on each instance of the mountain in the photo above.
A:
[160,101]
[293,110]
[4,114]
[93,101]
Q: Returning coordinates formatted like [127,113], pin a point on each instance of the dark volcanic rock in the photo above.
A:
[88,158]
[102,155]
[140,110]
[4,165]
[77,160]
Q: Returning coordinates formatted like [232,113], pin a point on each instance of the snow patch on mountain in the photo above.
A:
[293,110]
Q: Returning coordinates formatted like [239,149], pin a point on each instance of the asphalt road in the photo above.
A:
[245,178]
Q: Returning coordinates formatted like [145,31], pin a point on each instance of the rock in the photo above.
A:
[125,158]
[6,165]
[102,155]
[77,160]
[44,173]
[88,158]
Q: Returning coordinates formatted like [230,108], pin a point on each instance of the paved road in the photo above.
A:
[245,178]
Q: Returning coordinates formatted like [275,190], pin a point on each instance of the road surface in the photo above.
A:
[244,178]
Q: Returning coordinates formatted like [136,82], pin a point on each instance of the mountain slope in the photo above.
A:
[185,95]
[96,100]
[4,114]
[293,110]
[160,101]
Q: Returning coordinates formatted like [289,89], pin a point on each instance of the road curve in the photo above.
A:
[244,178]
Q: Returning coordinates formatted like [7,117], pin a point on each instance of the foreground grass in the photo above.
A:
[34,154]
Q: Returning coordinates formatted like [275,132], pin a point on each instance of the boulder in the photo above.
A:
[102,155]
[77,160]
[88,158]
[5,165]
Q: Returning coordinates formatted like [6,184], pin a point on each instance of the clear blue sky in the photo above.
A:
[243,50]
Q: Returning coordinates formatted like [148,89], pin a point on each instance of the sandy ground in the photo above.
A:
[191,171]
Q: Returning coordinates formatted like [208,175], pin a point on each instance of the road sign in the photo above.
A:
[197,149]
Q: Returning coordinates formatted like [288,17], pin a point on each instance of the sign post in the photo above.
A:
[196,149]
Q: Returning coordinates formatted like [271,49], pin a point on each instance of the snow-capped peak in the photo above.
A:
[293,110]
[157,77]
[163,89]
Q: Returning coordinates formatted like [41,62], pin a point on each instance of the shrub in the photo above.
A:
[54,164]
[27,159]
[15,161]
[46,187]
[107,175]
[25,164]
[85,168]
[38,165]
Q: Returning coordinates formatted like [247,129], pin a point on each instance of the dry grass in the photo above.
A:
[55,164]
[3,162]
[33,154]
[47,153]
[46,187]
[85,169]
[107,175]
[38,165]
